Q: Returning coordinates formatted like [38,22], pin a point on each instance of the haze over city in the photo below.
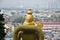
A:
[30,3]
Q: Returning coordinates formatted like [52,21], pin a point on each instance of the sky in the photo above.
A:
[30,3]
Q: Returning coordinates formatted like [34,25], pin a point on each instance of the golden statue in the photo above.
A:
[29,18]
[28,31]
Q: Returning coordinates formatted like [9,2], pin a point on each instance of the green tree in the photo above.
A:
[20,20]
[2,32]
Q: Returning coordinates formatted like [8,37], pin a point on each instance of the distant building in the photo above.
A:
[53,27]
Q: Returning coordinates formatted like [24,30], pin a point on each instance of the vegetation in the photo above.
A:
[19,20]
[2,32]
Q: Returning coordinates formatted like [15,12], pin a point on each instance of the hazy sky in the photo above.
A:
[30,3]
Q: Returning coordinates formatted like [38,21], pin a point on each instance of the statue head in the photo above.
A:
[28,31]
[29,11]
[29,18]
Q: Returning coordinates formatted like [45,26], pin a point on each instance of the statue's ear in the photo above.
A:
[39,24]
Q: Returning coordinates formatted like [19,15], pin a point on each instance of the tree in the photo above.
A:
[19,20]
[2,32]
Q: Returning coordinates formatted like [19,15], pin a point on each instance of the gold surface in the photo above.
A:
[29,18]
[28,24]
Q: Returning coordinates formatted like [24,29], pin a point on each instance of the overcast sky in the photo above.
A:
[30,3]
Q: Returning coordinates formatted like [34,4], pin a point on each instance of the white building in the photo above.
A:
[52,28]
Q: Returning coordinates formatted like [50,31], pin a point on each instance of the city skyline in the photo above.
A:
[30,4]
